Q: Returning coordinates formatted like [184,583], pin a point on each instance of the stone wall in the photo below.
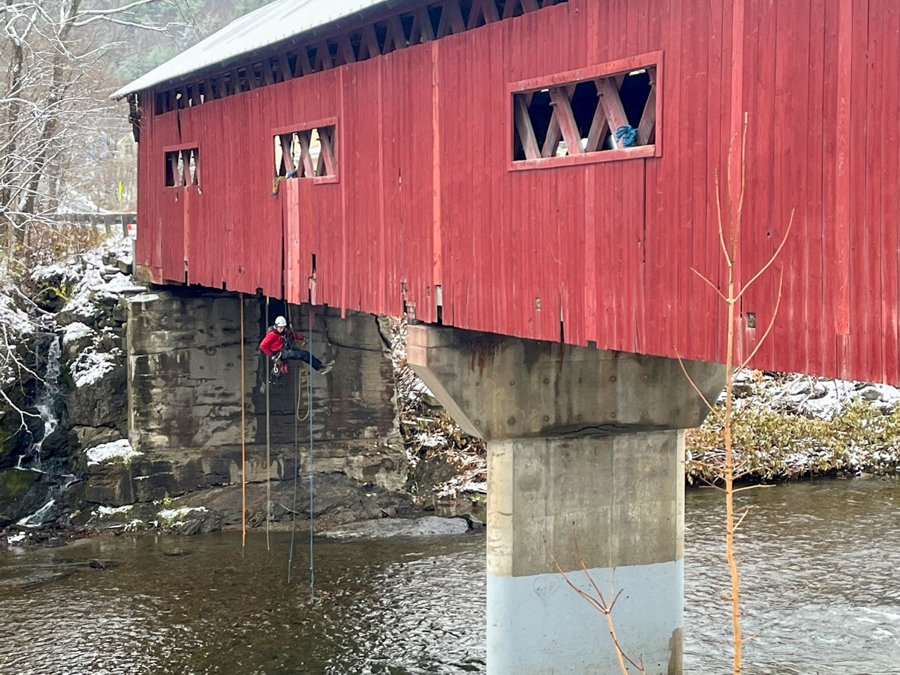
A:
[184,410]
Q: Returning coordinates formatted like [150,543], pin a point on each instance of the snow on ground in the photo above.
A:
[14,325]
[115,450]
[429,432]
[17,327]
[82,275]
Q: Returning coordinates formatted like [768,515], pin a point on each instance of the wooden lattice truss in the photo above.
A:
[182,166]
[309,153]
[595,126]
[431,21]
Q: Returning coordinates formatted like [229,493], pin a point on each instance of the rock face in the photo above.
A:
[182,408]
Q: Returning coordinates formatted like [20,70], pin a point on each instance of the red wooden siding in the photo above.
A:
[598,253]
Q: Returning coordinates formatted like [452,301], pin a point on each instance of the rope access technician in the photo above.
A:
[278,345]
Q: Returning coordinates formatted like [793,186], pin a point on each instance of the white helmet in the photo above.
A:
[280,321]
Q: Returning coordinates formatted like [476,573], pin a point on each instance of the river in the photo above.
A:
[821,590]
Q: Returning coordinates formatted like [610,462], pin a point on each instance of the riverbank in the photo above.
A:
[789,427]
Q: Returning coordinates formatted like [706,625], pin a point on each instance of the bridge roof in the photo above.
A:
[261,28]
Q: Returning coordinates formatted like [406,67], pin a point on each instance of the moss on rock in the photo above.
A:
[14,483]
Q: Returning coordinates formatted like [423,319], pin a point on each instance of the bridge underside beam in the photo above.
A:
[582,444]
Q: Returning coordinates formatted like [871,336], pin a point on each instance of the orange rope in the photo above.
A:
[243,439]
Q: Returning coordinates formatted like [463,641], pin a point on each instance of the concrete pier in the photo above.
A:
[581,443]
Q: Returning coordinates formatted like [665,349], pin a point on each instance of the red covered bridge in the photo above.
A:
[547,170]
[459,159]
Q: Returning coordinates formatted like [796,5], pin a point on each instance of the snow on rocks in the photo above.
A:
[12,317]
[109,451]
[815,397]
[113,510]
[175,514]
[16,538]
[91,365]
[92,288]
[86,280]
[15,325]
[75,332]
[119,283]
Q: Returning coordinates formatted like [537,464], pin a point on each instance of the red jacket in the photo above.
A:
[273,342]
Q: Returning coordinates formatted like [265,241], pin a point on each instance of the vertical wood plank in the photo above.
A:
[813,232]
[890,204]
[871,338]
[843,183]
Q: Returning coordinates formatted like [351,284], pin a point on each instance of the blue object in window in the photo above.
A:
[626,136]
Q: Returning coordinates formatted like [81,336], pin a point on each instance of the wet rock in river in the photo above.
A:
[96,564]
[399,527]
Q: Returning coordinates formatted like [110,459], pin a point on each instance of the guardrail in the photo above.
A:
[127,220]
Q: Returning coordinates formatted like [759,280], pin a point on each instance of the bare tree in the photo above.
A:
[729,229]
[53,102]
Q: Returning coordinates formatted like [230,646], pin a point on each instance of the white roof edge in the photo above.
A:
[268,25]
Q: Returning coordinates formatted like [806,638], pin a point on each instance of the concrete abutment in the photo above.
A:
[586,443]
[184,403]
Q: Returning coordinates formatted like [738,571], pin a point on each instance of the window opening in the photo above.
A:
[307,153]
[183,167]
[610,112]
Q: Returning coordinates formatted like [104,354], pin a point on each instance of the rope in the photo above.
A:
[243,439]
[301,373]
[312,567]
[268,443]
[297,420]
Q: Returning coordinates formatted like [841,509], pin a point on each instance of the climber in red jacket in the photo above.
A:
[278,344]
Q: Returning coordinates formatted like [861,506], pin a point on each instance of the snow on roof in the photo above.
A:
[265,26]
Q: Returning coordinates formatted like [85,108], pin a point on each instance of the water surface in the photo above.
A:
[820,583]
